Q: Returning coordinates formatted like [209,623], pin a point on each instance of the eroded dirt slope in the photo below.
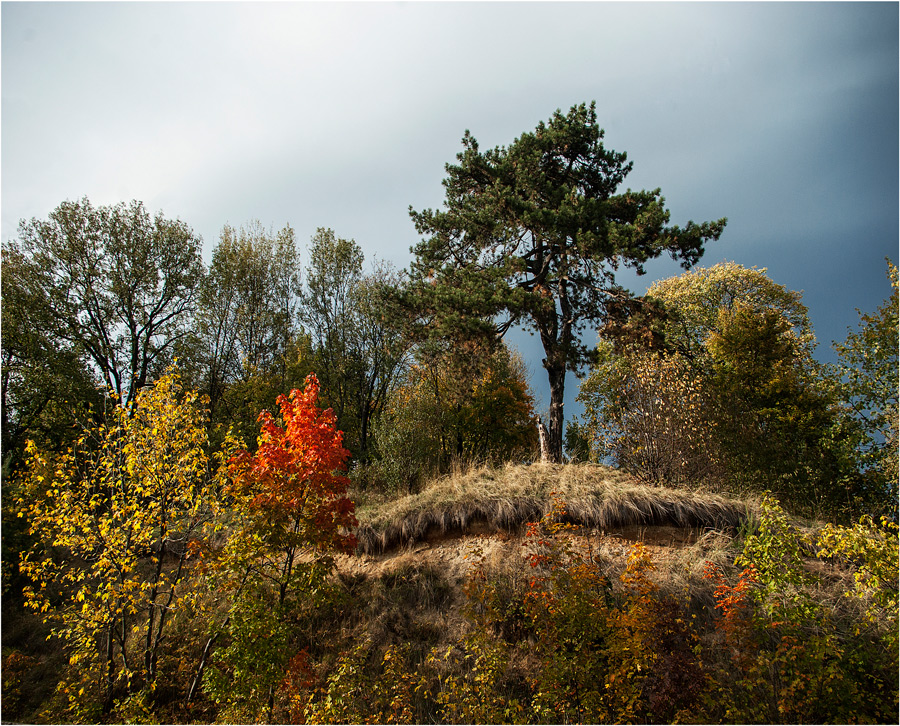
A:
[454,554]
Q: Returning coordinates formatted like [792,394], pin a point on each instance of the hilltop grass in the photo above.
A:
[508,496]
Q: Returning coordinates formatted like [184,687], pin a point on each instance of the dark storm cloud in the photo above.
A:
[781,116]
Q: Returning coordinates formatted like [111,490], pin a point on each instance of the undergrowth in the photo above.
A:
[752,619]
[565,635]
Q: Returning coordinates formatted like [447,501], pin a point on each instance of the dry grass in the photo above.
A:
[507,497]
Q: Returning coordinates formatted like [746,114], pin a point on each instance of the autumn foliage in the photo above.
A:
[113,518]
[560,639]
[290,513]
[293,480]
[172,555]
[187,585]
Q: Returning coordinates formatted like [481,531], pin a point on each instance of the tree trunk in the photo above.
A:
[149,647]
[364,433]
[198,677]
[110,670]
[543,437]
[164,611]
[557,375]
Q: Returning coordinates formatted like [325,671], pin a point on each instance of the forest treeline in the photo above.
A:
[184,445]
[710,377]
[98,302]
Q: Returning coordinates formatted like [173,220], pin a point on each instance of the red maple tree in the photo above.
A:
[295,479]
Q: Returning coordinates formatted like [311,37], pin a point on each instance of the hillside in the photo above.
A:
[482,513]
[625,604]
[428,545]
[449,593]
[510,496]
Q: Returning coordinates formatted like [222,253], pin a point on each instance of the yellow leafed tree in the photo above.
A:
[116,519]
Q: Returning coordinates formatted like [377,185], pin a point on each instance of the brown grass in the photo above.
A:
[507,497]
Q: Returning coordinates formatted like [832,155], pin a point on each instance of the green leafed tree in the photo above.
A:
[725,390]
[440,415]
[246,307]
[868,372]
[329,313]
[45,383]
[532,234]
[359,349]
[696,299]
[115,283]
[778,423]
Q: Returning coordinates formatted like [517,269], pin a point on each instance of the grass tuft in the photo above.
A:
[509,496]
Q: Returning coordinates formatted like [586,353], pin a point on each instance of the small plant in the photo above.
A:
[469,682]
[789,660]
[872,549]
[362,691]
[15,665]
[775,553]
[654,672]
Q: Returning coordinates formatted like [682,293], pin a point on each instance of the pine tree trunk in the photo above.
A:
[557,376]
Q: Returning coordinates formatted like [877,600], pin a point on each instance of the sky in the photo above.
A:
[782,117]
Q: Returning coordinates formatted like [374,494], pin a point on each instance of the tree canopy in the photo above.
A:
[696,301]
[731,396]
[247,305]
[868,371]
[115,282]
[532,234]
[359,353]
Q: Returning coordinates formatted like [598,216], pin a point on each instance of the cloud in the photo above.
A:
[781,116]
